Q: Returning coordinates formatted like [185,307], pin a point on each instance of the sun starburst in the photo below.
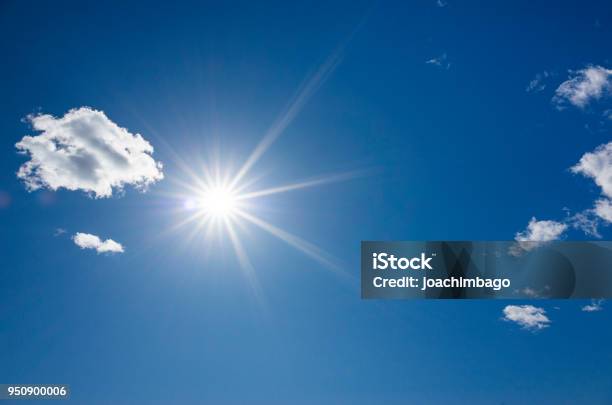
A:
[221,204]
[217,201]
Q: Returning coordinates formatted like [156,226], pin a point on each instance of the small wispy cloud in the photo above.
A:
[587,221]
[584,86]
[59,231]
[90,241]
[527,316]
[594,306]
[440,61]
[538,83]
[534,293]
[441,3]
[530,292]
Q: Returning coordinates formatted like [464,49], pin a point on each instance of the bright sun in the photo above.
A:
[219,202]
[216,200]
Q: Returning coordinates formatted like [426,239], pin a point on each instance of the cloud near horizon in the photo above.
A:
[527,316]
[90,241]
[85,150]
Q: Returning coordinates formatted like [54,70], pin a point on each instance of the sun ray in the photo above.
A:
[218,206]
[244,261]
[306,247]
[300,185]
[194,217]
[295,106]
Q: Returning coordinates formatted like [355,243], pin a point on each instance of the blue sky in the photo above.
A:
[455,149]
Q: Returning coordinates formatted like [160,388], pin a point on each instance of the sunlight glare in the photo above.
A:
[219,202]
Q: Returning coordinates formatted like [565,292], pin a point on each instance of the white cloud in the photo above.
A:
[603,209]
[441,3]
[594,306]
[590,83]
[537,84]
[541,231]
[536,234]
[527,316]
[89,241]
[84,150]
[598,166]
[587,221]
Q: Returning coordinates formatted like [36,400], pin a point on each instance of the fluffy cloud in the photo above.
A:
[536,234]
[594,306]
[603,209]
[541,231]
[89,241]
[587,84]
[528,316]
[84,150]
[598,166]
